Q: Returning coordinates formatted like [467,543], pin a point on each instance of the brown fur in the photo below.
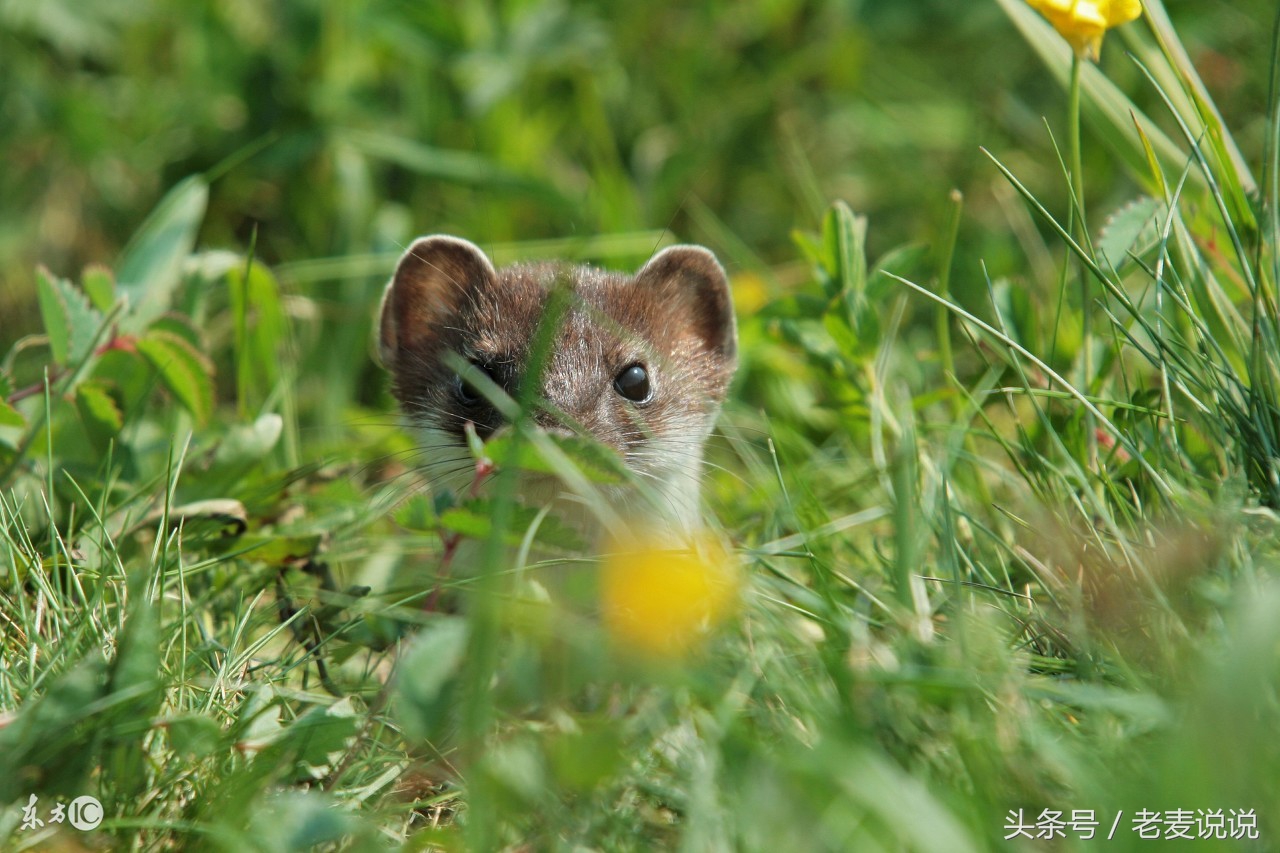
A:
[674,317]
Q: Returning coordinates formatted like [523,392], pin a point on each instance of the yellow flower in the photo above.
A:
[750,293]
[658,602]
[1084,22]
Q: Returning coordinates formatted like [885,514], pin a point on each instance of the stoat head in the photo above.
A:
[639,363]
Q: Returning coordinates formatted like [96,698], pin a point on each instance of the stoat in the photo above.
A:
[640,363]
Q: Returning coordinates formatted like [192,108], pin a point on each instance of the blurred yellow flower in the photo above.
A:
[1083,22]
[750,293]
[658,602]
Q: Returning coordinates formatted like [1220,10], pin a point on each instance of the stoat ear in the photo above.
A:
[691,281]
[430,282]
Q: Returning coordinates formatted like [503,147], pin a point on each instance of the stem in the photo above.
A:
[942,317]
[1081,234]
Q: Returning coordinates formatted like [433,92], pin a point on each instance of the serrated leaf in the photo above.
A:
[152,264]
[465,521]
[98,411]
[1129,229]
[100,286]
[183,369]
[70,321]
[53,313]
[180,325]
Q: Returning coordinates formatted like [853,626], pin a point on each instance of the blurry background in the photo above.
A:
[338,129]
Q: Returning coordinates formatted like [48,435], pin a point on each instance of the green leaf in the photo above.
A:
[474,521]
[99,413]
[1130,229]
[901,261]
[215,518]
[137,662]
[70,321]
[320,736]
[279,550]
[180,325]
[261,333]
[428,667]
[304,820]
[595,461]
[259,723]
[836,323]
[193,735]
[810,246]
[151,267]
[100,285]
[584,759]
[47,734]
[845,236]
[53,312]
[183,369]
[249,444]
[9,416]
[857,331]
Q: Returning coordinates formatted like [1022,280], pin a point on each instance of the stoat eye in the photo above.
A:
[466,393]
[633,383]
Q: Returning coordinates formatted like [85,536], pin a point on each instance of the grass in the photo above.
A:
[1007,555]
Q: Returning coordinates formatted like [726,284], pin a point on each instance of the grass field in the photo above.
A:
[999,473]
